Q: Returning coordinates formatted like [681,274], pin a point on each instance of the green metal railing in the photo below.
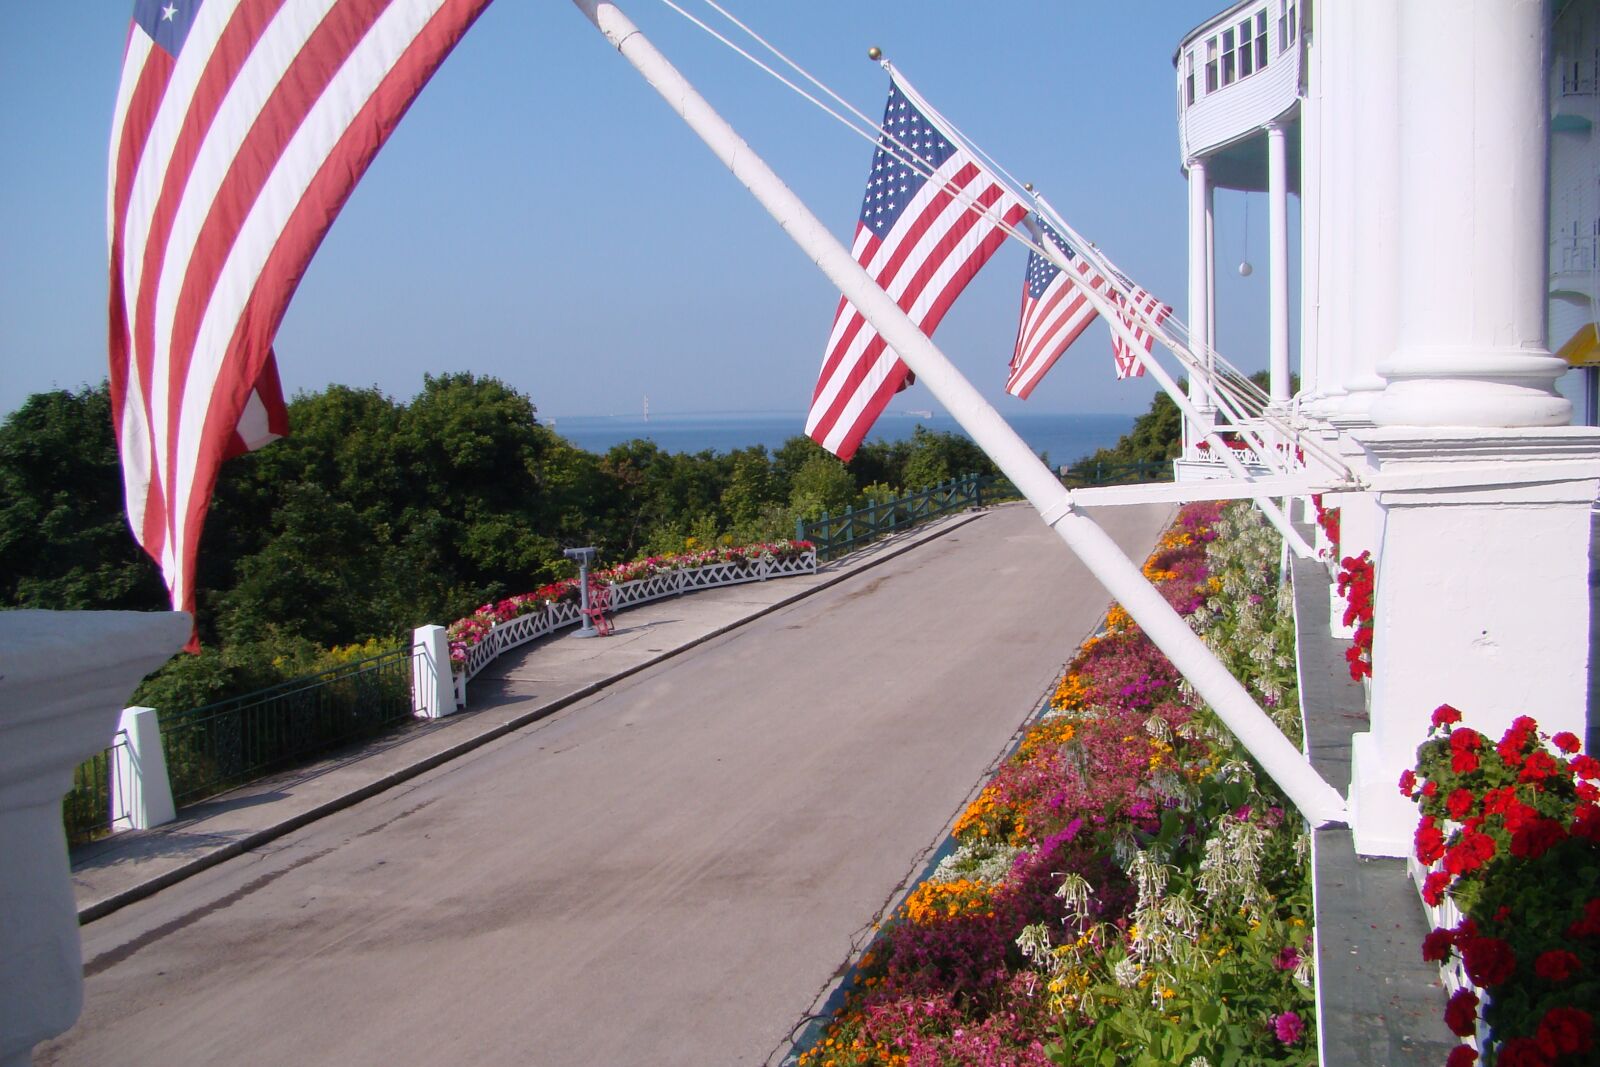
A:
[835,535]
[1087,472]
[234,741]
[86,809]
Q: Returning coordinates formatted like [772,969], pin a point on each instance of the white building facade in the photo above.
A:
[1445,157]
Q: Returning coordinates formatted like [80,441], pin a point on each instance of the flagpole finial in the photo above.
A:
[874,53]
[1028,186]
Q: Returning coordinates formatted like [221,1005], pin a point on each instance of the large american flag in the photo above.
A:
[241,127]
[927,225]
[1054,311]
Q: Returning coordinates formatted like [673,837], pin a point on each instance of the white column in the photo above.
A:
[64,678]
[141,793]
[1278,262]
[1338,176]
[1473,217]
[1375,283]
[1310,221]
[1199,279]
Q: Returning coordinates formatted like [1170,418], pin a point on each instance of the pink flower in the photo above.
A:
[1288,1027]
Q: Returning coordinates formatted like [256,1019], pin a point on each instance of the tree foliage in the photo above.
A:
[375,515]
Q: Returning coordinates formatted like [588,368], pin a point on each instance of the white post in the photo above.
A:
[1310,222]
[1278,262]
[1375,222]
[1199,290]
[55,719]
[433,693]
[141,794]
[1315,799]
[1335,248]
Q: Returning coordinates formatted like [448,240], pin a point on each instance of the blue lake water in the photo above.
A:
[1065,437]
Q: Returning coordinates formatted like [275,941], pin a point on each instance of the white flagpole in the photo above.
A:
[1108,311]
[1319,802]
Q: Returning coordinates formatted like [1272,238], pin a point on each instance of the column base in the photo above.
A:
[1383,822]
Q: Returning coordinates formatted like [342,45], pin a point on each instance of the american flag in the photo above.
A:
[927,225]
[1134,310]
[241,126]
[1054,312]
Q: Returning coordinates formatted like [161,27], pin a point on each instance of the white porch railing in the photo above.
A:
[504,636]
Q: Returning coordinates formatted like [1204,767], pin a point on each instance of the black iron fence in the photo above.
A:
[233,741]
[1093,472]
[835,535]
[86,809]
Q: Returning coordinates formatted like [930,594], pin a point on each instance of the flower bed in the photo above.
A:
[1510,842]
[495,627]
[1126,889]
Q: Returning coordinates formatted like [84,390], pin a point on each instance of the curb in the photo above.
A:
[99,909]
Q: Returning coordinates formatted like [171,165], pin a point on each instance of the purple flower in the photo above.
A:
[1288,1027]
[1288,958]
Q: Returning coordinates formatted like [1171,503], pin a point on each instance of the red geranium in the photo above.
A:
[1461,1056]
[1536,837]
[1566,741]
[1433,887]
[1489,961]
[1445,715]
[1408,782]
[1429,840]
[1459,803]
[1540,766]
[1472,851]
[1461,1014]
[1565,1030]
[1522,1052]
[1585,766]
[1589,925]
[1436,945]
[1557,965]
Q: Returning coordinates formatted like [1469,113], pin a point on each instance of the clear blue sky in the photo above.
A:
[541,216]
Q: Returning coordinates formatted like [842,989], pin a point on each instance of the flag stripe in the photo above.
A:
[229,162]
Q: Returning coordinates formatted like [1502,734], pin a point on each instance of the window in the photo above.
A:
[1261,38]
[1230,59]
[1283,26]
[1188,78]
[1211,65]
[1247,53]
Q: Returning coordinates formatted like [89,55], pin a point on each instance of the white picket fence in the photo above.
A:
[553,616]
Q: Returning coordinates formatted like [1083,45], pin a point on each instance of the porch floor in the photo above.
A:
[1380,1005]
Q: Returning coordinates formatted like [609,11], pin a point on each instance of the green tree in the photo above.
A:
[64,539]
[821,484]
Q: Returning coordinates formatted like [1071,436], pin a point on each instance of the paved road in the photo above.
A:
[666,873]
